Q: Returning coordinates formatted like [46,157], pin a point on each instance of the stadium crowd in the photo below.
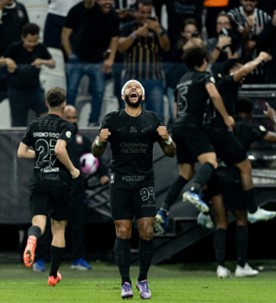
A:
[133,40]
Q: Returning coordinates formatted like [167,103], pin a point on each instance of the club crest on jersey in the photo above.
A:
[68,134]
[133,129]
[212,79]
[262,128]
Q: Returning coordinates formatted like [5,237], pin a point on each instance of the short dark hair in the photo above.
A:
[195,56]
[55,96]
[244,105]
[229,64]
[30,29]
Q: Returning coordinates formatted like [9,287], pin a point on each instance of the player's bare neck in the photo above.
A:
[133,112]
[55,112]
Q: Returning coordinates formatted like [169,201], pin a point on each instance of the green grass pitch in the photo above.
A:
[181,283]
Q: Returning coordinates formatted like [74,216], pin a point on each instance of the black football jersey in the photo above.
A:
[192,96]
[131,141]
[42,135]
[248,132]
[228,90]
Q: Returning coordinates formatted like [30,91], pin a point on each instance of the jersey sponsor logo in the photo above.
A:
[133,178]
[46,135]
[54,177]
[50,169]
[133,148]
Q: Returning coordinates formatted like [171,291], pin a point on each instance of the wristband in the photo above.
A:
[168,141]
[98,143]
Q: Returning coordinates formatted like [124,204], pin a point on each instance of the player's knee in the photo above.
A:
[123,232]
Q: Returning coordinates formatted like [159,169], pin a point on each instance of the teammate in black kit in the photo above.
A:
[131,133]
[227,146]
[193,144]
[46,141]
[229,176]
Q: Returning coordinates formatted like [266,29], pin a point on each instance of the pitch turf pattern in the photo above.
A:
[182,283]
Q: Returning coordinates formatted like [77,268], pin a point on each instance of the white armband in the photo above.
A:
[98,143]
[168,141]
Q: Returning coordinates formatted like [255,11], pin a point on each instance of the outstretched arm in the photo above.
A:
[248,67]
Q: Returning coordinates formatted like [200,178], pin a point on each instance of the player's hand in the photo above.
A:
[3,3]
[270,112]
[11,65]
[75,173]
[265,56]
[153,25]
[104,180]
[37,63]
[163,132]
[107,66]
[230,122]
[142,31]
[103,135]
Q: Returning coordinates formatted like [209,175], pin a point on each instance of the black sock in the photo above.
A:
[201,177]
[34,231]
[249,198]
[123,258]
[56,258]
[174,192]
[241,244]
[146,249]
[220,245]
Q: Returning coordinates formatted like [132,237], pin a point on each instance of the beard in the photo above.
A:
[133,105]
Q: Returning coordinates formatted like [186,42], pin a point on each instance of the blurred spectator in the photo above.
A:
[213,8]
[55,20]
[126,10]
[13,16]
[226,45]
[180,10]
[143,42]
[23,60]
[267,41]
[250,21]
[189,37]
[89,38]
